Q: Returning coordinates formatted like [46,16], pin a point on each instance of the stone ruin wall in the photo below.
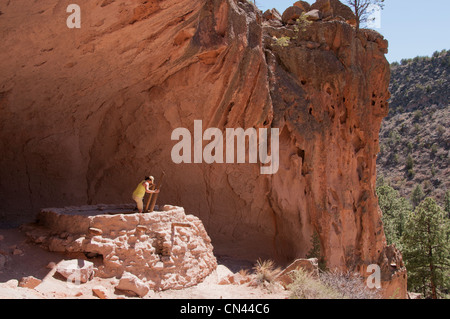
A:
[165,249]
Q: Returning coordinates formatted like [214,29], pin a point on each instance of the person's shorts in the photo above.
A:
[139,203]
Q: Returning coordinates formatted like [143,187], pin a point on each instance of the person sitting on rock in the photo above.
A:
[139,193]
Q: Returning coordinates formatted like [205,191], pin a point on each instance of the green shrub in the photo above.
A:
[417,129]
[434,149]
[410,146]
[409,162]
[396,159]
[417,115]
[283,41]
[302,23]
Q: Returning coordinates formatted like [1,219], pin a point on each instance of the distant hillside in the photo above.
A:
[415,137]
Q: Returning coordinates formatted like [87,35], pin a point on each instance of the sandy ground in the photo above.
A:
[19,258]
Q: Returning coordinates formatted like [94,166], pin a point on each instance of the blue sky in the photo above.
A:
[412,27]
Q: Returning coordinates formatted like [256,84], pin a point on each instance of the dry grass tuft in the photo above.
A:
[348,284]
[266,271]
[330,285]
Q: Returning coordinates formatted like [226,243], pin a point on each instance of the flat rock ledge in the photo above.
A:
[164,249]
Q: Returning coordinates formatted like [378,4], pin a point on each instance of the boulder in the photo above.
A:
[100,291]
[130,282]
[374,36]
[17,251]
[308,265]
[223,275]
[240,279]
[314,15]
[273,18]
[29,282]
[234,279]
[95,231]
[291,14]
[305,6]
[50,265]
[76,270]
[334,8]
[227,280]
[272,14]
[12,283]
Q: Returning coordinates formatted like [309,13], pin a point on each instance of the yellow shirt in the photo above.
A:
[140,190]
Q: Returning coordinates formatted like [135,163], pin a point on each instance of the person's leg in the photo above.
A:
[139,203]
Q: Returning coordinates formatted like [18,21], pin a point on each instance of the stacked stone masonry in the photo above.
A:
[165,249]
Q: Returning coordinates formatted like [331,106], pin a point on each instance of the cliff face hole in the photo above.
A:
[360,167]
[158,244]
[357,143]
[301,154]
[332,112]
[92,255]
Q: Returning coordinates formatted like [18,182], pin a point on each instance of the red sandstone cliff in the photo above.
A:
[85,113]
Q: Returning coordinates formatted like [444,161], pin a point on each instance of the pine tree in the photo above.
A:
[395,209]
[409,162]
[417,195]
[447,203]
[426,249]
